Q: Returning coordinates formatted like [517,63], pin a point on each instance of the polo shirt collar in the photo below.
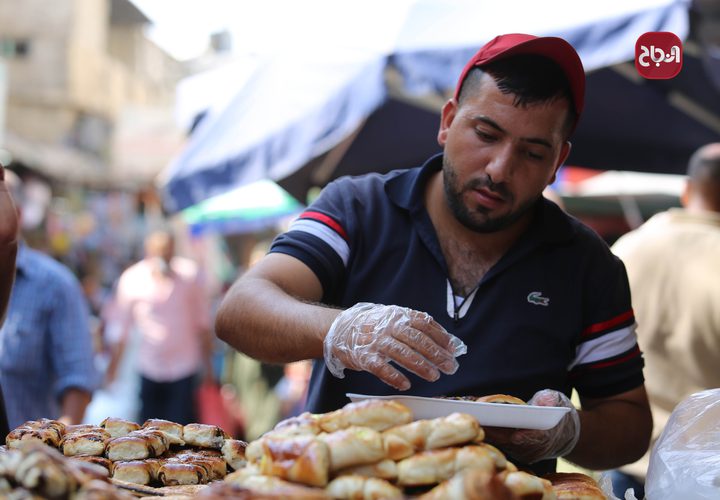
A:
[407,191]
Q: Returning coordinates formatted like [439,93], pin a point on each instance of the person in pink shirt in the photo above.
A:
[163,297]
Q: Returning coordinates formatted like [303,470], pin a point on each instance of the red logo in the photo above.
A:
[658,55]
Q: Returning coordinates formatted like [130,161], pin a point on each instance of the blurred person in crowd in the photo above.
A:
[388,278]
[163,296]
[8,253]
[46,355]
[673,264]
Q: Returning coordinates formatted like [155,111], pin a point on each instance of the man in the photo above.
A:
[46,355]
[8,253]
[163,296]
[464,244]
[673,263]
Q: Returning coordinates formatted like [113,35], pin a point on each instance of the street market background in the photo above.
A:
[223,119]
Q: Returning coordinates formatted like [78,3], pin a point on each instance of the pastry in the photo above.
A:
[501,398]
[575,486]
[177,473]
[431,467]
[360,487]
[156,439]
[353,446]
[84,443]
[172,429]
[471,484]
[134,471]
[526,485]
[302,459]
[128,448]
[118,427]
[384,469]
[278,488]
[98,461]
[25,434]
[233,451]
[457,428]
[378,414]
[205,436]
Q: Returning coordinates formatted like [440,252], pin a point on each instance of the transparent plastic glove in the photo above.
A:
[368,336]
[530,446]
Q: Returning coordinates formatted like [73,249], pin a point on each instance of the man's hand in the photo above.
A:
[368,336]
[530,446]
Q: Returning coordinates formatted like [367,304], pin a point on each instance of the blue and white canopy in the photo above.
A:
[303,101]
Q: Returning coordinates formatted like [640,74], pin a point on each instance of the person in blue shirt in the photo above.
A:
[8,253]
[458,278]
[46,354]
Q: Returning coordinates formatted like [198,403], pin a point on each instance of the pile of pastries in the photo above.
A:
[372,449]
[159,452]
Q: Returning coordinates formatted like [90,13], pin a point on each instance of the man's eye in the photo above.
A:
[535,156]
[485,136]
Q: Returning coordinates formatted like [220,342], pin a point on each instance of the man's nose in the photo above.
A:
[501,165]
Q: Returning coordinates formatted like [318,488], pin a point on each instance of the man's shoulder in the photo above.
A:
[373,182]
[45,267]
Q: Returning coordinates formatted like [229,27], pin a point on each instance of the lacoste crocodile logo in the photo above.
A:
[537,299]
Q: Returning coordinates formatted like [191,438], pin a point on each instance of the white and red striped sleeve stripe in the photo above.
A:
[327,229]
[608,339]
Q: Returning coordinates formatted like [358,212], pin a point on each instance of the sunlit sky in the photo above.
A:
[182,27]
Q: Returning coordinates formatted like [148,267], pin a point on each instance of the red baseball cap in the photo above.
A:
[553,48]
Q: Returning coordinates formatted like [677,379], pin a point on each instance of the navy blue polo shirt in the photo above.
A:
[554,312]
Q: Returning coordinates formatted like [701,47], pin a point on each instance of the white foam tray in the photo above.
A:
[489,414]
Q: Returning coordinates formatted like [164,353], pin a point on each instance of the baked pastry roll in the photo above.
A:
[575,486]
[97,461]
[134,471]
[498,457]
[233,451]
[25,434]
[156,439]
[471,484]
[101,490]
[434,466]
[178,473]
[154,465]
[361,488]
[172,429]
[118,427]
[378,414]
[215,466]
[354,446]
[305,423]
[501,398]
[128,448]
[46,423]
[526,485]
[205,436]
[42,470]
[84,443]
[278,488]
[302,459]
[384,469]
[72,429]
[457,428]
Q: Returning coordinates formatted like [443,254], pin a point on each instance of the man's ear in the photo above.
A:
[447,116]
[564,153]
[686,194]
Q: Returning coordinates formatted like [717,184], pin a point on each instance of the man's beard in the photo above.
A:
[478,219]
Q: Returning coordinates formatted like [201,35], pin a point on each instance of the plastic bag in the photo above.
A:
[685,462]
